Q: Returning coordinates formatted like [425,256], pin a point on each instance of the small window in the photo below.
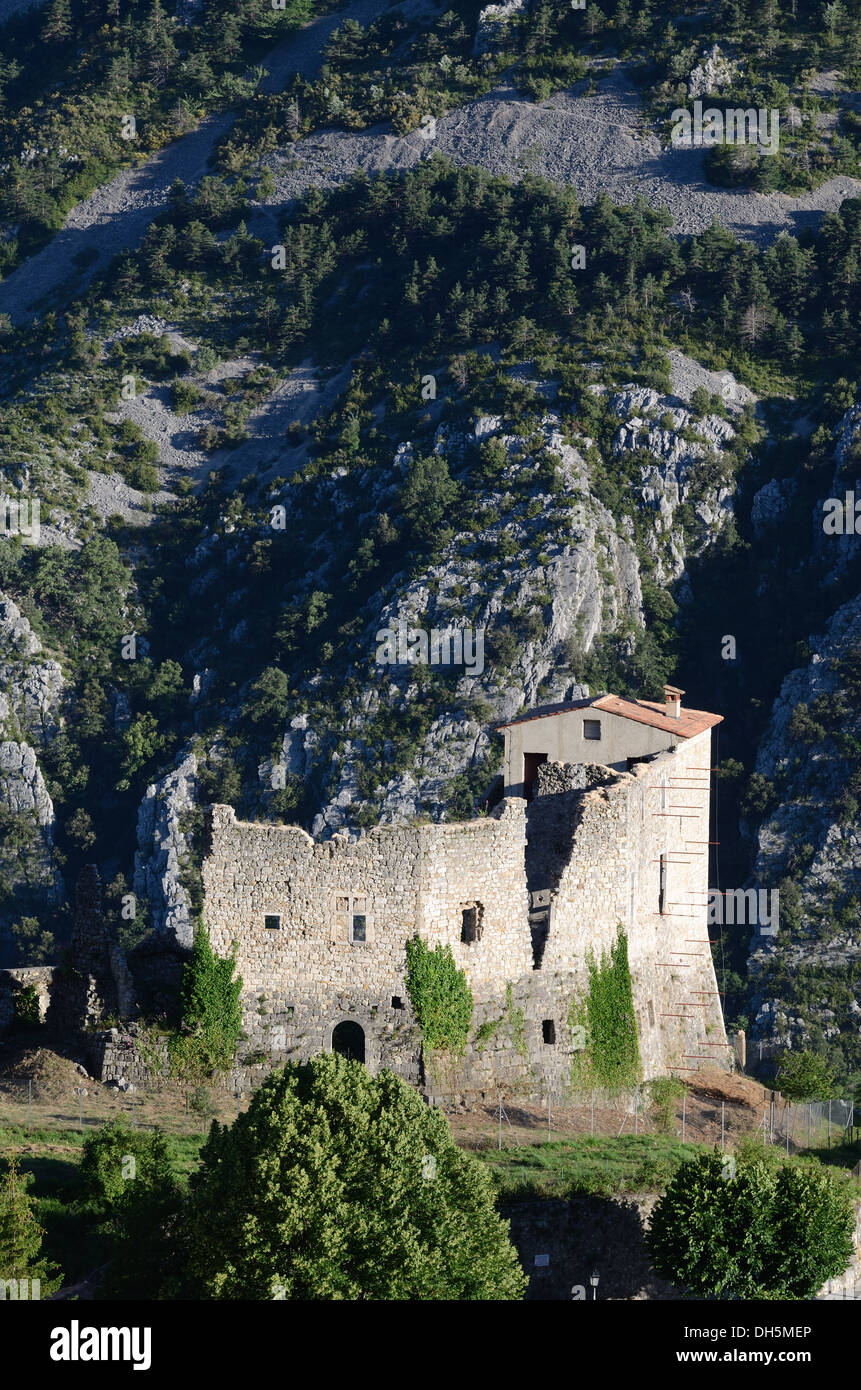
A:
[289,1010]
[651,1014]
[272,921]
[662,885]
[591,728]
[548,1031]
[397,1001]
[470,922]
[358,927]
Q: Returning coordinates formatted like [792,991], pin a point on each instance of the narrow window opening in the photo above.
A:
[358,927]
[548,1031]
[397,1001]
[471,922]
[651,1014]
[272,921]
[662,885]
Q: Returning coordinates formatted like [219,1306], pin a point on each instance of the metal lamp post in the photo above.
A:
[593,1280]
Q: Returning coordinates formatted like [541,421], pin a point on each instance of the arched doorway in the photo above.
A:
[348,1038]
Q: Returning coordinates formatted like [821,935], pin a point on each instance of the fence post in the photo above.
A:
[592,1124]
[636,1107]
[788,1118]
[29,1101]
[684,1114]
[829,1124]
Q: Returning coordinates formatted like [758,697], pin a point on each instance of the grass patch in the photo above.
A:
[74,1238]
[601,1166]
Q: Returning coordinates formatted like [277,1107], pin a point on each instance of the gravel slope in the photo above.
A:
[592,143]
[117,215]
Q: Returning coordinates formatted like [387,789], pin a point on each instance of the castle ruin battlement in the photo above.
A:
[525,897]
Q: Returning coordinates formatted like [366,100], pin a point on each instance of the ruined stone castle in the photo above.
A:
[602,829]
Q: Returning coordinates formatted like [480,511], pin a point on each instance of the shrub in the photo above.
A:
[210,1011]
[339,1185]
[26,1006]
[665,1092]
[740,1228]
[200,1102]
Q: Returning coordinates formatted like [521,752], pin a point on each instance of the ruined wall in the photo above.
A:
[305,976]
[596,871]
[613,878]
[17,978]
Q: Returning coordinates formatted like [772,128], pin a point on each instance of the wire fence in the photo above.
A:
[693,1119]
[32,1107]
[82,1104]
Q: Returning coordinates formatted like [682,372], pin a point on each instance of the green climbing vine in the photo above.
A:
[605,1021]
[211,1012]
[515,1020]
[516,1026]
[440,996]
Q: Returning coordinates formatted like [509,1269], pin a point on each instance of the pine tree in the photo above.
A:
[21,1234]
[58,27]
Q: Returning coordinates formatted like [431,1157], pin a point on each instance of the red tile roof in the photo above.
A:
[689,722]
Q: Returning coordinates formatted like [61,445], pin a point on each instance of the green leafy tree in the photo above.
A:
[429,494]
[803,1076]
[339,1185]
[127,1180]
[210,1010]
[20,1233]
[737,1227]
[34,944]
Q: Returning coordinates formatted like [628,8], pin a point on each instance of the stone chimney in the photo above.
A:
[672,701]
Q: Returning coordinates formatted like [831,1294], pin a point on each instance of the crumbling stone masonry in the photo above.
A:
[522,897]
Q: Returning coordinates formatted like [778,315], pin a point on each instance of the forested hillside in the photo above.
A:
[282,419]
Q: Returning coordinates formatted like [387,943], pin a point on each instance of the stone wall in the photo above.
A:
[612,879]
[126,1056]
[305,975]
[593,859]
[17,978]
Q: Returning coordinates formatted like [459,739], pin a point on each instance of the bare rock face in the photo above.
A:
[837,545]
[811,838]
[31,689]
[680,446]
[162,844]
[491,24]
[31,685]
[714,73]
[23,788]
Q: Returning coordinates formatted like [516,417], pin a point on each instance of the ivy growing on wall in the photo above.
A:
[440,995]
[211,1012]
[611,1056]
